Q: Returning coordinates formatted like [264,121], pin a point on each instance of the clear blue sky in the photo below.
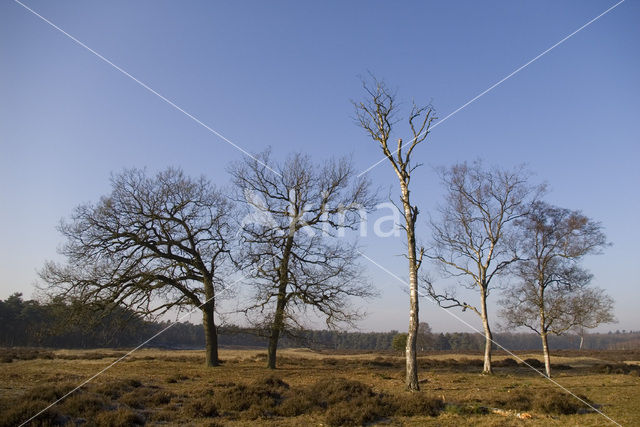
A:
[282,74]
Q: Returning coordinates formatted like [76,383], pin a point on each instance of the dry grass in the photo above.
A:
[309,388]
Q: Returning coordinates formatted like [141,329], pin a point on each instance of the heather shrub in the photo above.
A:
[507,362]
[144,397]
[264,395]
[122,417]
[534,363]
[115,389]
[22,410]
[200,408]
[49,392]
[418,404]
[553,402]
[84,405]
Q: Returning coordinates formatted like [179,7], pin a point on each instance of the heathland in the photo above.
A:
[161,387]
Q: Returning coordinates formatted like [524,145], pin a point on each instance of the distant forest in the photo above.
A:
[29,323]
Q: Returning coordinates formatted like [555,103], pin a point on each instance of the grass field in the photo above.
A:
[314,388]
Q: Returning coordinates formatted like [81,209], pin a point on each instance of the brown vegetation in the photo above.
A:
[173,388]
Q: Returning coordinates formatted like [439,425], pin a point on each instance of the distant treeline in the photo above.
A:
[61,325]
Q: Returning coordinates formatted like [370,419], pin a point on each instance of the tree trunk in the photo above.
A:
[543,331]
[278,318]
[488,338]
[411,350]
[412,336]
[210,335]
[208,321]
[581,342]
[276,327]
[581,338]
[545,351]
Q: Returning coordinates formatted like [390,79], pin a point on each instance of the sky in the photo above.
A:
[283,74]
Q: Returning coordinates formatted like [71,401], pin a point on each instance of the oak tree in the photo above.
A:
[291,240]
[153,244]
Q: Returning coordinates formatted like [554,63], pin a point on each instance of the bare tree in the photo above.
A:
[593,308]
[581,331]
[425,337]
[473,240]
[376,115]
[552,296]
[153,244]
[292,240]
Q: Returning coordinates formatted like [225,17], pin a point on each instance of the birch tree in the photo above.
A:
[376,114]
[474,237]
[553,296]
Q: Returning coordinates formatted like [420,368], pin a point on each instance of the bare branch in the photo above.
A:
[311,268]
[376,116]
[153,244]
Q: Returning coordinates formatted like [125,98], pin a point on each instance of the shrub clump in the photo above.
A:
[519,401]
[143,397]
[259,399]
[200,408]
[23,410]
[507,362]
[350,402]
[546,401]
[330,391]
[343,401]
[383,362]
[296,404]
[534,363]
[176,378]
[418,404]
[616,368]
[85,405]
[560,403]
[115,389]
[48,392]
[464,410]
[119,418]
[348,414]
[8,355]
[561,367]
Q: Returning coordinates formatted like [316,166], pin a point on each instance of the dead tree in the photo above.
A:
[553,296]
[291,240]
[376,115]
[152,244]
[473,238]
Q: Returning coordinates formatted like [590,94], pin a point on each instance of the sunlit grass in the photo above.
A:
[312,388]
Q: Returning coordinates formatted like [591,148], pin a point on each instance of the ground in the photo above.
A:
[314,388]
